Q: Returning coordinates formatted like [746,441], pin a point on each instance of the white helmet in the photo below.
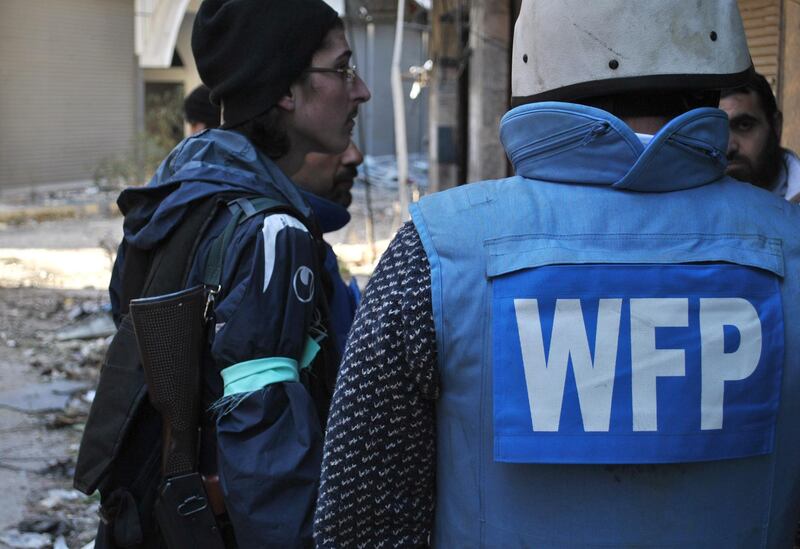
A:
[572,49]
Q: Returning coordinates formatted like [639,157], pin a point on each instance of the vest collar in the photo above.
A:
[570,143]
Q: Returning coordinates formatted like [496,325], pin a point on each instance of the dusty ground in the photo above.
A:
[38,446]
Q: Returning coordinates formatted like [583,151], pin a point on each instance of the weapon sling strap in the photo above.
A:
[241,209]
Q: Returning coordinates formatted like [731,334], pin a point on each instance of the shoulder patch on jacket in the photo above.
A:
[274,224]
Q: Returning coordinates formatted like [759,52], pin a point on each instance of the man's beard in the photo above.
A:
[340,193]
[345,174]
[766,167]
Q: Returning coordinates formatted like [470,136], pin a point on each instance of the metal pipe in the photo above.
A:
[398,102]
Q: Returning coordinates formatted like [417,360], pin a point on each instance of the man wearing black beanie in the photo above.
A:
[280,72]
[249,51]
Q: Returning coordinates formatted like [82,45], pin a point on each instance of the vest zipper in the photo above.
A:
[585,133]
[697,147]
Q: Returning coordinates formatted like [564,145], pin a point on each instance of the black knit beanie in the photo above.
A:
[249,51]
[197,107]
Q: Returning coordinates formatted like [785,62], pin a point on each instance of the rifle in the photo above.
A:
[170,334]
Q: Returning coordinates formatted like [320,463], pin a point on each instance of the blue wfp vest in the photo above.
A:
[618,342]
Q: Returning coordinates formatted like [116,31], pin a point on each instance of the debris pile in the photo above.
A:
[62,519]
[57,339]
[382,170]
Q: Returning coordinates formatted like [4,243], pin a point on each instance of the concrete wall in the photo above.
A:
[446,128]
[489,42]
[376,116]
[761,20]
[790,75]
[68,88]
[187,74]
[773,36]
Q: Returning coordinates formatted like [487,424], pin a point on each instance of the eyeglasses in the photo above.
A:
[349,73]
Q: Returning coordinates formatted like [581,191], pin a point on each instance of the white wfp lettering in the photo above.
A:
[718,366]
[649,363]
[545,378]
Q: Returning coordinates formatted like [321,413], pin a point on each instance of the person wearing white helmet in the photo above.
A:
[601,350]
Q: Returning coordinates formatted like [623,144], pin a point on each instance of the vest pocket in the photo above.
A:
[509,254]
[635,348]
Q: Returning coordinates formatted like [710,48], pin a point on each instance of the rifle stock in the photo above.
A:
[170,334]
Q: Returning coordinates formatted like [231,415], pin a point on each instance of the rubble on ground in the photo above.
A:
[61,373]
[381,170]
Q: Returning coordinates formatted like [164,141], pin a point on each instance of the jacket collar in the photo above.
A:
[570,143]
[203,165]
[228,158]
[787,183]
[330,215]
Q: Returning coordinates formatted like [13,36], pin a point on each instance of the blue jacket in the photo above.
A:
[617,331]
[343,298]
[268,433]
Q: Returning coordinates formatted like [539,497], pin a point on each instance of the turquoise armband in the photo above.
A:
[253,375]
